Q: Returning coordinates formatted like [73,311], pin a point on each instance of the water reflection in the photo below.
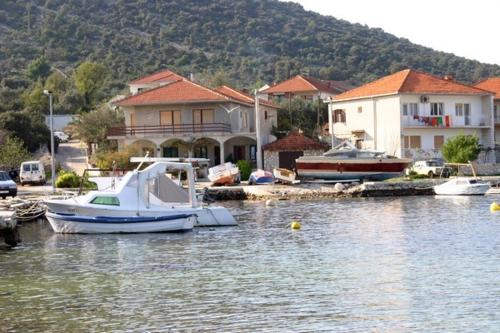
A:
[394,264]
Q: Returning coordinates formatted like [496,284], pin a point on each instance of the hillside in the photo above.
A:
[241,40]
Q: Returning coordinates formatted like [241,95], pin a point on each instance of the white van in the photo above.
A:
[32,172]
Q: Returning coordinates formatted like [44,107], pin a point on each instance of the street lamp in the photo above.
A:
[52,152]
[257,131]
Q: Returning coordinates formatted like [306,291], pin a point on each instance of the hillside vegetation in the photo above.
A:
[244,42]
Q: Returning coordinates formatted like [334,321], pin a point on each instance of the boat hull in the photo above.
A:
[72,224]
[362,169]
[210,216]
[478,189]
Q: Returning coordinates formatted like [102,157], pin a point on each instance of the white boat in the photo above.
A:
[224,174]
[73,224]
[284,176]
[462,186]
[146,193]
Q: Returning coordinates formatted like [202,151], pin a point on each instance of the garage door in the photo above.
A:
[287,159]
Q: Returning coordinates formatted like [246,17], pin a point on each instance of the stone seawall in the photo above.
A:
[311,191]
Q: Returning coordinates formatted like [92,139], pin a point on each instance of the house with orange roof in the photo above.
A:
[171,116]
[306,87]
[411,114]
[153,81]
[493,84]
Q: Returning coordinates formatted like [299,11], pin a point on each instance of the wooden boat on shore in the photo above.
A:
[345,161]
[224,174]
[260,177]
[284,176]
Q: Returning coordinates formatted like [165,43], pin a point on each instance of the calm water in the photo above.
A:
[364,265]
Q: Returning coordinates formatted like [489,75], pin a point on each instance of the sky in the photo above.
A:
[466,28]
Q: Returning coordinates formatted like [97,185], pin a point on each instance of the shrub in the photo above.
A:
[104,159]
[67,179]
[461,148]
[245,169]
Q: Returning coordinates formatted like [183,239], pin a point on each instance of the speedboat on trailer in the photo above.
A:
[345,161]
[146,193]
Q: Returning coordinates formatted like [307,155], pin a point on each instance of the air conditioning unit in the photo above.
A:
[424,99]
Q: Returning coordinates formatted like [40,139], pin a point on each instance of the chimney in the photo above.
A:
[245,90]
[191,77]
[448,77]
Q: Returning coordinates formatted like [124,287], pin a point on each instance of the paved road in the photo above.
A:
[72,156]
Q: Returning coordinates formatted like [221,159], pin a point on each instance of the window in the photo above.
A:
[109,201]
[360,109]
[413,109]
[253,152]
[132,119]
[34,167]
[339,116]
[437,109]
[410,109]
[459,109]
[412,142]
[170,117]
[265,115]
[244,120]
[203,116]
[438,141]
[170,152]
[201,152]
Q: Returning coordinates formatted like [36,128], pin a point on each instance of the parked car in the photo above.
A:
[32,172]
[7,186]
[63,137]
[430,168]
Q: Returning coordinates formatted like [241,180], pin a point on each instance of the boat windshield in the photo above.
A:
[108,201]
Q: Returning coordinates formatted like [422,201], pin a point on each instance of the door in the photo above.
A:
[467,114]
[287,159]
[216,155]
[239,153]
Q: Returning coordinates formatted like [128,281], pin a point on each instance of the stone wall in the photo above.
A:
[271,157]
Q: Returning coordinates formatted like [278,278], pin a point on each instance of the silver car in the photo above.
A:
[7,186]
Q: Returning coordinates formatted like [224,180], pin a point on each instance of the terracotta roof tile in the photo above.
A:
[181,91]
[409,81]
[491,84]
[301,83]
[243,97]
[295,141]
[160,77]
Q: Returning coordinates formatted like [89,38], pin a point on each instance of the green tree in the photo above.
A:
[92,127]
[461,148]
[35,100]
[89,78]
[13,153]
[38,69]
[28,126]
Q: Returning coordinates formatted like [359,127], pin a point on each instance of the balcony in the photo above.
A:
[168,130]
[446,121]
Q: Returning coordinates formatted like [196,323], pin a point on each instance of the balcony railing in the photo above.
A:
[169,129]
[443,121]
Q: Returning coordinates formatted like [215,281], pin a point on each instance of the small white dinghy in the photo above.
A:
[284,176]
[463,186]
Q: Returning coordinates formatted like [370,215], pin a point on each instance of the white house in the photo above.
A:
[412,114]
[493,84]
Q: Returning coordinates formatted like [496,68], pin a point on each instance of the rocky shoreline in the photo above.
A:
[316,191]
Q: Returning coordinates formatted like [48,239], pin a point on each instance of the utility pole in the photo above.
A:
[52,152]
[257,131]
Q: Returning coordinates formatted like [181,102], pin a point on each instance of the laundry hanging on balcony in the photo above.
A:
[441,121]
